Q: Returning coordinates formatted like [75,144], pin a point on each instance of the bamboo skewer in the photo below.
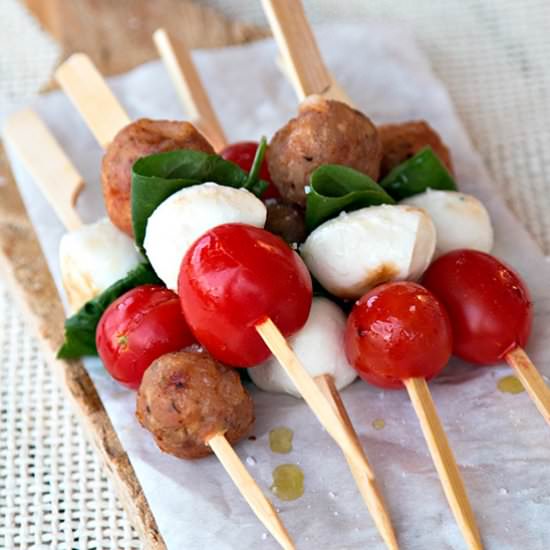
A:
[185,77]
[309,75]
[249,489]
[323,399]
[368,487]
[303,63]
[301,58]
[310,392]
[47,163]
[91,95]
[70,74]
[532,380]
[444,460]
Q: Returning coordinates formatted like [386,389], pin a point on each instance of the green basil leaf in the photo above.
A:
[80,328]
[156,177]
[415,175]
[336,188]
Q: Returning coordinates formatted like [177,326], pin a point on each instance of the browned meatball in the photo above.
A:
[186,397]
[402,141]
[139,139]
[285,220]
[324,132]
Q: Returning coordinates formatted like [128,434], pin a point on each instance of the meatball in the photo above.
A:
[139,139]
[187,397]
[402,141]
[285,220]
[324,132]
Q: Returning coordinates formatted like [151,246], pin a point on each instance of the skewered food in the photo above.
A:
[187,214]
[319,345]
[354,252]
[186,397]
[461,221]
[324,132]
[92,258]
[143,324]
[402,141]
[489,305]
[141,138]
[233,277]
[398,331]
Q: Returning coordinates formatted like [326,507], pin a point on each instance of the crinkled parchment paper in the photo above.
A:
[501,442]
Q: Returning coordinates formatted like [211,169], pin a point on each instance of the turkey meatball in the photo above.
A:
[324,132]
[139,139]
[402,141]
[186,397]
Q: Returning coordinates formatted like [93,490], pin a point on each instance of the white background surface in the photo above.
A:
[500,440]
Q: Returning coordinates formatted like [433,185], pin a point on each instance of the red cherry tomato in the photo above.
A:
[398,331]
[242,153]
[233,277]
[488,304]
[139,327]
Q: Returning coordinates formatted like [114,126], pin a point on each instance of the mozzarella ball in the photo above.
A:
[184,216]
[461,221]
[94,257]
[354,252]
[320,347]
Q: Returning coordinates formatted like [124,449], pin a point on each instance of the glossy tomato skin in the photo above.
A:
[398,331]
[488,304]
[137,328]
[242,153]
[232,278]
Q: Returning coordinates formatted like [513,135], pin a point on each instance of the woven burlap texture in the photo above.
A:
[493,57]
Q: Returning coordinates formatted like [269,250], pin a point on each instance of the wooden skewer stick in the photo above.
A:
[532,380]
[302,60]
[249,489]
[91,95]
[444,460]
[96,104]
[311,393]
[47,163]
[183,72]
[367,484]
[303,64]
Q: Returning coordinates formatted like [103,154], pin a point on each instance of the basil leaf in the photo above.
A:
[254,174]
[415,175]
[80,328]
[156,177]
[336,188]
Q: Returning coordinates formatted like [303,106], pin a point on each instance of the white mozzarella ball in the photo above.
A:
[94,257]
[320,347]
[461,220]
[184,216]
[354,252]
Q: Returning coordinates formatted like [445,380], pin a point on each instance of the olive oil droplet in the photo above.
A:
[379,424]
[510,384]
[280,440]
[288,482]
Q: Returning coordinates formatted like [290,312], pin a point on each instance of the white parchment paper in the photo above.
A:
[501,442]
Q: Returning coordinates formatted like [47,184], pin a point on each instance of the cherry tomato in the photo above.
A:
[242,153]
[488,304]
[233,277]
[398,331]
[139,327]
